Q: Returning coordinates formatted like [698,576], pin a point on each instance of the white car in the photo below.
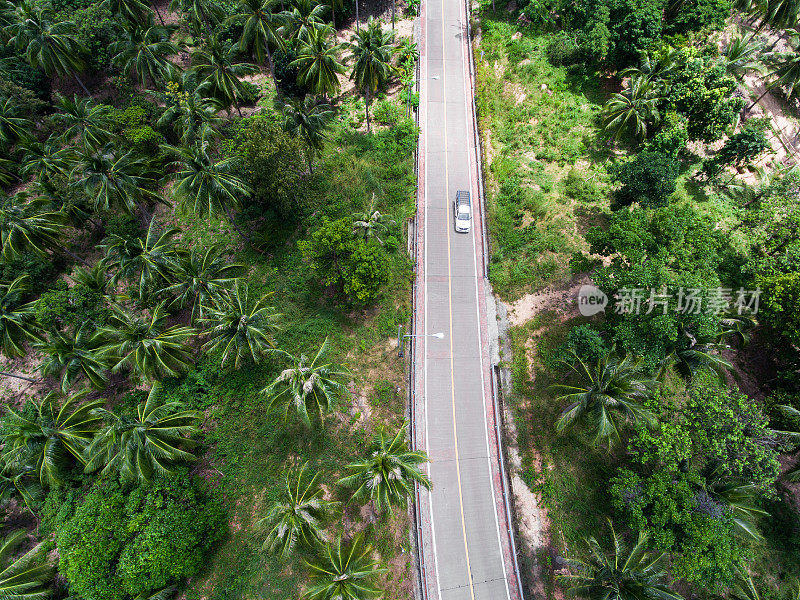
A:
[462,211]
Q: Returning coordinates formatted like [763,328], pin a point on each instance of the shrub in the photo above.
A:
[250,93]
[681,519]
[703,93]
[585,342]
[581,263]
[582,188]
[285,74]
[144,139]
[18,78]
[696,15]
[97,30]
[272,162]
[358,268]
[40,270]
[123,225]
[648,179]
[563,49]
[741,147]
[69,307]
[387,112]
[672,137]
[122,542]
[616,31]
[367,273]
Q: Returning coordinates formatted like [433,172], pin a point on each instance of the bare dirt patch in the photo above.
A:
[561,300]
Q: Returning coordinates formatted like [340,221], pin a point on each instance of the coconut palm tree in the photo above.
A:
[201,14]
[207,186]
[241,331]
[741,501]
[372,51]
[55,434]
[112,179]
[388,474]
[692,354]
[201,277]
[27,226]
[136,12]
[613,389]
[94,278]
[147,445]
[17,320]
[150,259]
[624,573]
[70,356]
[219,73]
[742,57]
[307,387]
[317,62]
[45,42]
[13,126]
[334,5]
[632,110]
[309,120]
[142,52]
[17,479]
[6,171]
[304,17]
[146,346]
[24,577]
[786,66]
[192,116]
[782,14]
[344,571]
[298,516]
[371,223]
[261,29]
[46,160]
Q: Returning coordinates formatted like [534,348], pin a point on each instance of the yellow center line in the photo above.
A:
[450,308]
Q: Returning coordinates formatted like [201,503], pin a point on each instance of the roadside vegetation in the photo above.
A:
[635,147]
[202,259]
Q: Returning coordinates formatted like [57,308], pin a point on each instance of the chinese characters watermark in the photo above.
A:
[688,301]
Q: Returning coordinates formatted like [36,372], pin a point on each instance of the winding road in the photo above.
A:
[465,543]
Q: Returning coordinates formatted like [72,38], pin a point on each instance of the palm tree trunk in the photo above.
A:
[4,374]
[246,237]
[393,9]
[76,257]
[357,20]
[757,100]
[333,15]
[80,83]
[158,12]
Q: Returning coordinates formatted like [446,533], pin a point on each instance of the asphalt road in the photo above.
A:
[466,537]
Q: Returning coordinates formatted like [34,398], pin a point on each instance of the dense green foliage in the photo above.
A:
[624,152]
[122,542]
[151,234]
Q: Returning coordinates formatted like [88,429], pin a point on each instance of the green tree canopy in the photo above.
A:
[123,541]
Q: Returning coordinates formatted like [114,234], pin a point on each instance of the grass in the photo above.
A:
[544,162]
[248,447]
